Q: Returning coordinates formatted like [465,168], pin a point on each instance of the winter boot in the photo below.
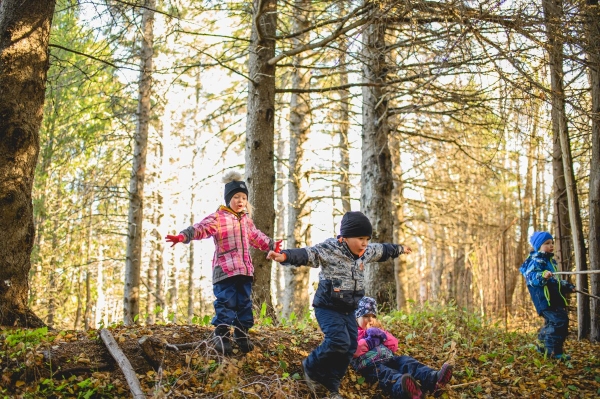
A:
[410,387]
[443,377]
[222,339]
[240,335]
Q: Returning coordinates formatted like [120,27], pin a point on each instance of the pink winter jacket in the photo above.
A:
[233,235]
[391,342]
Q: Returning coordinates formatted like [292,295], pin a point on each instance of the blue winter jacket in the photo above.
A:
[545,293]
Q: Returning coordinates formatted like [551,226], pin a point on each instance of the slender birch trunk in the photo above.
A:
[280,221]
[400,267]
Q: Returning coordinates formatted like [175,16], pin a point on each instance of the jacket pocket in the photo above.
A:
[227,260]
[226,252]
[344,298]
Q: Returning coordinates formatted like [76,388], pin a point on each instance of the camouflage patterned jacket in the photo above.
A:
[341,280]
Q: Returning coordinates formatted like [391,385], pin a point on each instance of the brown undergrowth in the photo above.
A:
[491,361]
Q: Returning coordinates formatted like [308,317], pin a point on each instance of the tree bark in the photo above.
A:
[295,298]
[24,35]
[280,226]
[553,16]
[260,133]
[398,209]
[593,51]
[376,173]
[344,124]
[563,240]
[133,260]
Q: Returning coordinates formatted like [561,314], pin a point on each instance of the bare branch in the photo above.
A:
[88,56]
[320,43]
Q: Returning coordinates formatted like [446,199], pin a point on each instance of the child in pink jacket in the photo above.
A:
[398,376]
[234,233]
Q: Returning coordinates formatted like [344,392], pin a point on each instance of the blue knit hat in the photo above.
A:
[366,305]
[538,238]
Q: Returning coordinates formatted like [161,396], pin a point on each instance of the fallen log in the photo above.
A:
[124,364]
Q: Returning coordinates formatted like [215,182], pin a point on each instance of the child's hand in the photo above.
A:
[175,239]
[372,342]
[407,250]
[547,274]
[277,257]
[376,333]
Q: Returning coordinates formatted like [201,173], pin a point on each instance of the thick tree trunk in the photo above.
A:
[295,298]
[260,129]
[593,41]
[376,173]
[133,260]
[24,35]
[553,16]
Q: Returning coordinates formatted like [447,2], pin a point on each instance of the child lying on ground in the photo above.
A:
[398,376]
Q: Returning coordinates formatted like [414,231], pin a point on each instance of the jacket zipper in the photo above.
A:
[243,249]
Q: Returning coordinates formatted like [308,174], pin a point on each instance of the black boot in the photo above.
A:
[222,339]
[240,335]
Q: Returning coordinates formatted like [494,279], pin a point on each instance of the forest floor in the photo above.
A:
[491,361]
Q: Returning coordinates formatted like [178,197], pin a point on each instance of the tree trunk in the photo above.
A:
[260,133]
[87,315]
[133,260]
[344,125]
[593,51]
[553,16]
[52,291]
[295,298]
[433,258]
[173,294]
[24,35]
[101,311]
[398,203]
[280,221]
[376,173]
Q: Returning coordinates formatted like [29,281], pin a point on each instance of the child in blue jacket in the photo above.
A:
[548,294]
[341,287]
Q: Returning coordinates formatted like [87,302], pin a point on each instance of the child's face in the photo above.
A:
[547,246]
[357,245]
[238,202]
[366,321]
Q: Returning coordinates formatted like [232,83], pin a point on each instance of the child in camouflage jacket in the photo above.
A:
[341,286]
